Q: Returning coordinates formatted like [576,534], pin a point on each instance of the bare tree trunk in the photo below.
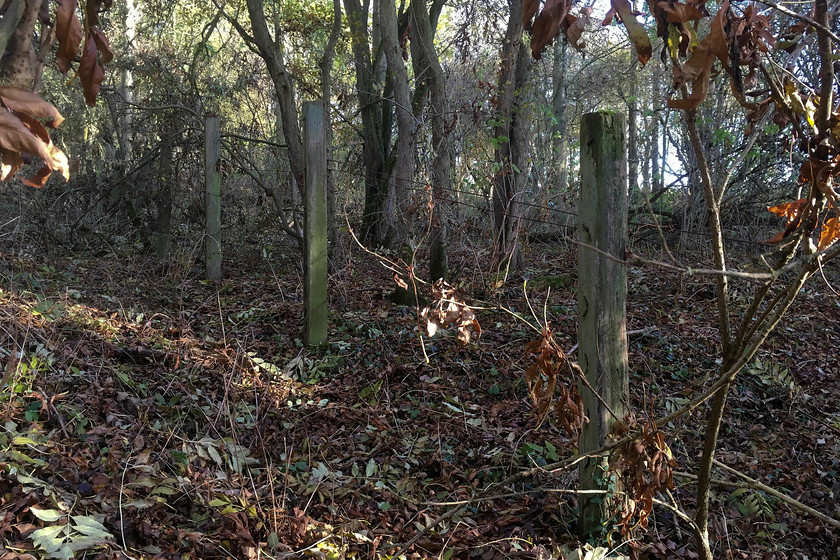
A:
[431,73]
[402,172]
[271,51]
[656,181]
[559,129]
[510,137]
[633,135]
[20,64]
[368,88]
[336,245]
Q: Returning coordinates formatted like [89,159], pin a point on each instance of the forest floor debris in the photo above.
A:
[154,416]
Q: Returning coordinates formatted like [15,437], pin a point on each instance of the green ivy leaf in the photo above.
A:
[79,543]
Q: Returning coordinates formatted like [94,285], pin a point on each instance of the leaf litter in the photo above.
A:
[155,419]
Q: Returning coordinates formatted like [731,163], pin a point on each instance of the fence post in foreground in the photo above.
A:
[602,326]
[212,200]
[315,224]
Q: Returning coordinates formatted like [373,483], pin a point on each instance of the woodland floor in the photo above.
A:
[156,416]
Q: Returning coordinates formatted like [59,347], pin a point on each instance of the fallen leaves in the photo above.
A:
[448,309]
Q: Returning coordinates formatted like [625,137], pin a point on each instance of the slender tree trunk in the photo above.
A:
[163,198]
[126,89]
[336,245]
[561,121]
[368,88]
[271,51]
[510,137]
[431,73]
[654,154]
[402,172]
[122,119]
[633,134]
[663,165]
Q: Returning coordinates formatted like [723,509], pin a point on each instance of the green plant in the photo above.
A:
[752,503]
[772,374]
[67,534]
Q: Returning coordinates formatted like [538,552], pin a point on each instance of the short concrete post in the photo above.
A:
[315,224]
[212,200]
[602,289]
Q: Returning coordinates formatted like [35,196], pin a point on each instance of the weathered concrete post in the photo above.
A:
[602,288]
[315,224]
[212,200]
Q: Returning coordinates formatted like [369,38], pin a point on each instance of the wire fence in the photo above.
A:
[536,213]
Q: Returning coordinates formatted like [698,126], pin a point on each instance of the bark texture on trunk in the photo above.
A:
[401,173]
[271,51]
[510,137]
[369,91]
[431,74]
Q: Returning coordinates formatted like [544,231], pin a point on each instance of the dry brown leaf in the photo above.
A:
[829,234]
[68,31]
[15,136]
[529,10]
[92,10]
[96,54]
[789,210]
[12,162]
[698,68]
[676,12]
[24,101]
[22,134]
[448,309]
[635,30]
[576,25]
[547,25]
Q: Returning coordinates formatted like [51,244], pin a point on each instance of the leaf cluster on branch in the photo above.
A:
[646,465]
[22,135]
[448,309]
[548,389]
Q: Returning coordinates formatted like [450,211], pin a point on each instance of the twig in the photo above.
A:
[806,19]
